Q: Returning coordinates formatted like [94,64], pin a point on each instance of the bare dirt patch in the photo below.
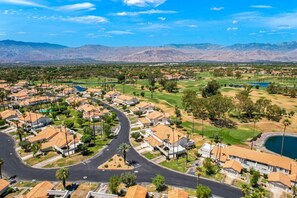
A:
[115,163]
[83,190]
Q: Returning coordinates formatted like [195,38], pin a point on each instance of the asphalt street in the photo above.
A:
[88,171]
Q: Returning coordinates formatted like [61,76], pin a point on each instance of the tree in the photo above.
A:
[124,148]
[211,89]
[20,132]
[255,178]
[188,99]
[35,148]
[209,167]
[199,172]
[286,123]
[159,182]
[274,113]
[128,178]
[203,191]
[26,145]
[69,124]
[107,129]
[1,164]
[62,174]
[136,136]
[86,139]
[113,184]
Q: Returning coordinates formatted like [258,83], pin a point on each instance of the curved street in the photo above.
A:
[145,170]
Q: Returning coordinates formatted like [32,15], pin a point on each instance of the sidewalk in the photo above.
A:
[46,162]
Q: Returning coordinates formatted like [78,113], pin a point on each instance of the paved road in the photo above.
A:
[146,171]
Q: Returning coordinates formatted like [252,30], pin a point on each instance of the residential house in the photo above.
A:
[93,91]
[46,134]
[136,191]
[62,141]
[260,161]
[279,181]
[232,167]
[166,138]
[9,115]
[145,107]
[157,117]
[126,100]
[178,193]
[34,120]
[40,190]
[76,101]
[36,101]
[22,83]
[91,112]
[4,185]
[111,95]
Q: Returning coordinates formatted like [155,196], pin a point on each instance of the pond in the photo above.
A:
[274,144]
[79,88]
[260,84]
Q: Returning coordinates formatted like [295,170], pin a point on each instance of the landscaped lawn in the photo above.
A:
[78,158]
[151,155]
[180,164]
[230,136]
[35,160]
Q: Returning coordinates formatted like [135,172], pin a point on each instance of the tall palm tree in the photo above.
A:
[199,173]
[35,148]
[286,123]
[74,137]
[124,148]
[62,174]
[20,132]
[1,164]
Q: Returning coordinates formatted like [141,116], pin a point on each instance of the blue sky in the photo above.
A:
[148,22]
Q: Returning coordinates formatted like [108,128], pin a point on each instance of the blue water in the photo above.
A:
[45,110]
[261,84]
[79,88]
[274,144]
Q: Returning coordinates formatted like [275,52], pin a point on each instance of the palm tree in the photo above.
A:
[124,148]
[35,148]
[74,137]
[1,164]
[20,132]
[62,174]
[286,123]
[199,173]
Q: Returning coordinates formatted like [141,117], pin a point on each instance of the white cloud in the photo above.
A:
[78,6]
[193,26]
[217,8]
[154,26]
[232,28]
[119,32]
[234,21]
[252,34]
[23,2]
[162,18]
[144,3]
[21,32]
[2,33]
[86,19]
[148,12]
[261,6]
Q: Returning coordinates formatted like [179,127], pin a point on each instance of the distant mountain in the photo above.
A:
[286,46]
[12,43]
[205,46]
[28,52]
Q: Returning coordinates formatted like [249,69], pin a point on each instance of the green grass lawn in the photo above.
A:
[180,164]
[77,158]
[230,136]
[151,155]
[40,158]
